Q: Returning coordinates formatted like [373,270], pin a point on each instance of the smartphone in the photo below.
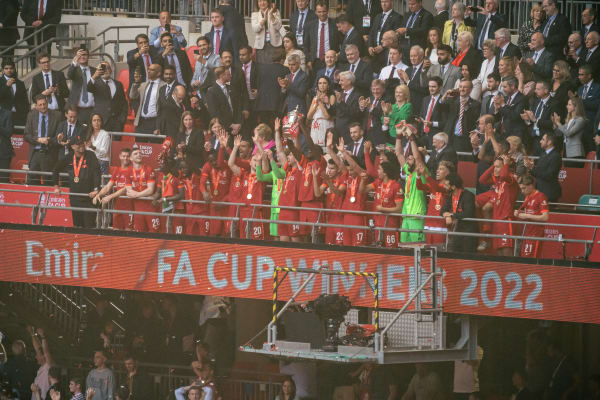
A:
[83,46]
[474,9]
[102,67]
[196,51]
[167,27]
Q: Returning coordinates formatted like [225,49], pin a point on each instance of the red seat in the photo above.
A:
[190,53]
[124,79]
[16,177]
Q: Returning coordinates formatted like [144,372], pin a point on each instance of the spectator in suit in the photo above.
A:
[295,86]
[347,109]
[13,95]
[321,36]
[467,54]
[575,49]
[147,93]
[9,11]
[573,131]
[380,60]
[371,108]
[509,110]
[330,70]
[40,129]
[363,74]
[250,88]
[168,77]
[142,57]
[433,111]
[80,73]
[487,22]
[221,38]
[266,24]
[589,92]
[388,20]
[206,60]
[504,47]
[269,98]
[175,31]
[362,14]
[109,98]
[222,104]
[591,55]
[290,47]
[454,26]
[463,113]
[538,117]
[539,58]
[190,140]
[588,22]
[351,36]
[234,21]
[50,83]
[412,77]
[556,29]
[547,168]
[455,215]
[6,148]
[356,145]
[301,18]
[441,14]
[418,23]
[449,73]
[489,63]
[171,110]
[487,102]
[67,130]
[176,58]
[390,75]
[441,152]
[39,14]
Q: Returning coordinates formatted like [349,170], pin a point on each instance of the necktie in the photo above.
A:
[322,42]
[70,132]
[370,120]
[41,10]
[147,99]
[410,22]
[218,41]
[415,70]
[355,152]
[585,91]
[535,56]
[547,27]
[226,92]
[300,28]
[84,91]
[483,31]
[292,77]
[346,96]
[392,72]
[147,60]
[460,116]
[442,69]
[43,128]
[588,55]
[538,110]
[168,91]
[429,112]
[171,60]
[352,68]
[509,100]
[47,76]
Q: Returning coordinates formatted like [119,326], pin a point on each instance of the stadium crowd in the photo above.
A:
[384,103]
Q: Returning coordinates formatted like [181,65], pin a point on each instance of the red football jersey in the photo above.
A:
[289,192]
[333,201]
[254,189]
[237,187]
[169,186]
[437,197]
[387,194]
[119,178]
[306,191]
[218,179]
[507,190]
[138,180]
[535,204]
[193,192]
[354,200]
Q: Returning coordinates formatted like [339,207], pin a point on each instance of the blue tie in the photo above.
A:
[147,99]
[84,94]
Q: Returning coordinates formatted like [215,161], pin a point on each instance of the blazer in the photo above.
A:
[474,59]
[75,74]
[346,113]
[451,74]
[274,25]
[63,127]
[557,35]
[464,209]
[295,93]
[356,11]
[438,116]
[594,27]
[440,19]
[544,121]
[354,38]
[254,73]
[417,90]
[593,61]
[234,22]
[6,131]
[113,109]
[194,148]
[497,21]
[269,92]
[52,13]
[573,132]
[363,76]
[19,100]
[546,174]
[309,18]
[447,154]
[139,62]
[311,39]
[542,69]
[420,28]
[591,101]
[360,151]
[510,116]
[375,134]
[31,131]
[169,118]
[392,22]
[178,39]
[58,78]
[137,92]
[447,32]
[469,122]
[184,64]
[9,12]
[227,42]
[218,106]
[512,50]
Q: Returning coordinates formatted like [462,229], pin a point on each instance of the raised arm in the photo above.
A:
[333,154]
[231,162]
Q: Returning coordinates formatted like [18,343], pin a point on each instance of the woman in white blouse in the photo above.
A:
[467,74]
[489,64]
[98,141]
[266,24]
[434,39]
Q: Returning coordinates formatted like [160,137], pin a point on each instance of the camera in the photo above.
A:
[196,51]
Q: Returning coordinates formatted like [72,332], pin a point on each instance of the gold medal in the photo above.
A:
[352,199]
[76,179]
[216,192]
[305,183]
[249,196]
[438,207]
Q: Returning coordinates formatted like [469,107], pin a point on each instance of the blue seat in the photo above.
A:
[592,200]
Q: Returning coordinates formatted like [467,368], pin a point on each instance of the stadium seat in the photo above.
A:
[589,200]
[16,177]
[124,79]
[190,53]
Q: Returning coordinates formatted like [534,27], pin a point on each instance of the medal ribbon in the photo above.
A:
[353,186]
[77,167]
[142,176]
[215,175]
[455,198]
[251,182]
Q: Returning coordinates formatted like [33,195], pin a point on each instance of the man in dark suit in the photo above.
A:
[509,110]
[50,83]
[301,18]
[351,36]
[488,20]
[40,129]
[504,47]
[388,20]
[433,111]
[220,37]
[371,108]
[588,22]
[80,73]
[441,152]
[269,97]
[416,28]
[13,95]
[109,98]
[547,168]
[234,21]
[295,86]
[169,78]
[222,104]
[346,106]
[142,57]
[412,78]
[589,92]
[320,37]
[6,148]
[169,119]
[540,59]
[455,215]
[441,9]
[538,116]
[458,128]
[591,55]
[38,14]
[356,145]
[362,14]
[176,58]
[250,88]
[329,70]
[67,130]
[556,30]
[487,102]
[9,11]
[381,54]
[363,74]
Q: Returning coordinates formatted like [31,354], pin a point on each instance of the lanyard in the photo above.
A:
[142,176]
[455,198]
[77,167]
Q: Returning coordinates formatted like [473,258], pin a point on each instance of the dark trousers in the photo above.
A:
[40,161]
[462,244]
[4,164]
[38,39]
[145,125]
[83,219]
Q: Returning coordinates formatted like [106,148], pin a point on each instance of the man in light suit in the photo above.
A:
[301,18]
[540,59]
[487,21]
[80,73]
[351,36]
[320,37]
[388,20]
[148,95]
[175,31]
[68,129]
[363,74]
[448,72]
[295,86]
[109,97]
[205,61]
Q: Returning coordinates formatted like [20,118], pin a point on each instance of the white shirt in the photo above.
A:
[41,380]
[87,76]
[111,86]
[214,43]
[37,11]
[247,73]
[487,67]
[434,124]
[385,72]
[152,105]
[323,25]
[102,145]
[53,103]
[503,49]
[347,94]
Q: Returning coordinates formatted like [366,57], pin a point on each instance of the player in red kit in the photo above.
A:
[168,195]
[191,181]
[388,199]
[141,182]
[507,189]
[436,192]
[333,190]
[535,209]
[117,185]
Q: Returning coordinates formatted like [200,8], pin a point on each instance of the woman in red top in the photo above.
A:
[437,197]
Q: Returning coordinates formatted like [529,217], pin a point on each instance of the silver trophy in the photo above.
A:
[291,127]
